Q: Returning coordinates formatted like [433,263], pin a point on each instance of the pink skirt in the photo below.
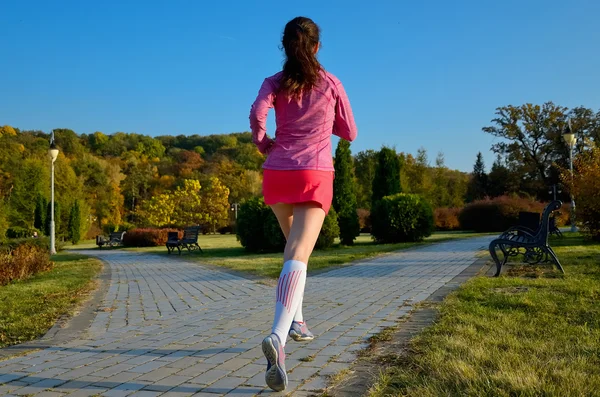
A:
[298,186]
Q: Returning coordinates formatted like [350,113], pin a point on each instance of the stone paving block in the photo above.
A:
[149,366]
[158,374]
[49,393]
[244,391]
[224,385]
[113,370]
[249,370]
[209,377]
[146,393]
[317,384]
[87,392]
[186,388]
[196,369]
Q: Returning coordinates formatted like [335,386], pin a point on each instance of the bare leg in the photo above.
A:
[285,217]
[307,220]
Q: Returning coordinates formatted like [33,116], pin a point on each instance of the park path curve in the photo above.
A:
[175,328]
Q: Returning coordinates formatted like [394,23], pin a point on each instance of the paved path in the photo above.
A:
[174,328]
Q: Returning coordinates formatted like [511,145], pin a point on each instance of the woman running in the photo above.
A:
[310,105]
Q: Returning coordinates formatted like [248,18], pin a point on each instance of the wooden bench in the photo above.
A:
[533,245]
[115,238]
[189,240]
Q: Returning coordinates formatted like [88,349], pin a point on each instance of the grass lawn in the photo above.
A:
[528,333]
[29,308]
[226,251]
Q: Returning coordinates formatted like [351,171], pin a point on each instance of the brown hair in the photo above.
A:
[301,68]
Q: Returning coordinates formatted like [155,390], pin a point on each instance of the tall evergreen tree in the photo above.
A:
[478,185]
[344,194]
[387,174]
[365,163]
[75,223]
[39,221]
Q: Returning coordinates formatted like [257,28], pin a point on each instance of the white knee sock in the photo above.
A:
[290,290]
[298,316]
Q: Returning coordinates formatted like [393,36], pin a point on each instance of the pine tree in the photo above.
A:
[478,186]
[39,221]
[387,174]
[344,194]
[499,179]
[75,223]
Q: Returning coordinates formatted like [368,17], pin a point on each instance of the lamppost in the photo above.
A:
[554,190]
[53,152]
[234,207]
[571,139]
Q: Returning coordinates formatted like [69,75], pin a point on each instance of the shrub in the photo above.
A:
[586,188]
[344,194]
[329,231]
[364,220]
[225,229]
[19,260]
[3,220]
[75,223]
[387,174]
[257,227]
[259,231]
[19,232]
[446,218]
[401,217]
[497,214]
[147,237]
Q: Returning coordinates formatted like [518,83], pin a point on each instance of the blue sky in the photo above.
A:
[418,74]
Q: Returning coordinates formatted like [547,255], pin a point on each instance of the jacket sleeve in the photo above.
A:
[258,117]
[343,125]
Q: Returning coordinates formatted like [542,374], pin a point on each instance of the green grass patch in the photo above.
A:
[29,308]
[226,251]
[531,332]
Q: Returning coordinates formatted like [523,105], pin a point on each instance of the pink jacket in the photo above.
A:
[304,127]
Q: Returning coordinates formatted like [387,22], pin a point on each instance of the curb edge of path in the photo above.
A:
[70,326]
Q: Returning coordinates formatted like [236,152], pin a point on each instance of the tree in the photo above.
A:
[344,196]
[387,175]
[440,195]
[417,173]
[158,211]
[30,179]
[39,221]
[75,223]
[584,183]
[478,184]
[3,219]
[189,205]
[7,130]
[499,179]
[215,204]
[532,139]
[365,164]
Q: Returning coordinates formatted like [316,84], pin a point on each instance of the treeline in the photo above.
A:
[126,179]
[123,180]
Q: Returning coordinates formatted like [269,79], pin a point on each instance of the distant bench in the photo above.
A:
[115,239]
[189,240]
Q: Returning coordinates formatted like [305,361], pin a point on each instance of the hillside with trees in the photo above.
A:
[117,181]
